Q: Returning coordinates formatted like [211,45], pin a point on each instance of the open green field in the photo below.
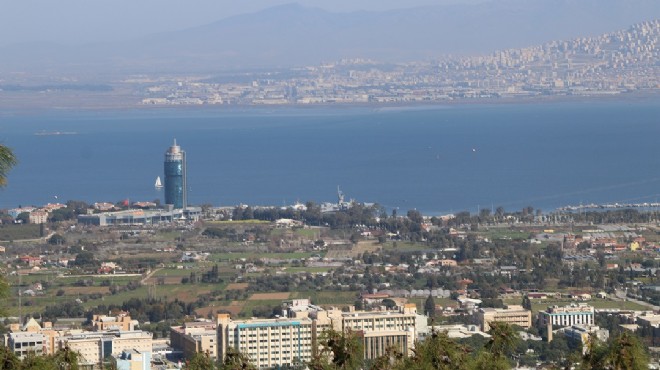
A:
[19,232]
[255,255]
[308,233]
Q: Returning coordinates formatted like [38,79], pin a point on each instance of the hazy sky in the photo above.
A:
[81,21]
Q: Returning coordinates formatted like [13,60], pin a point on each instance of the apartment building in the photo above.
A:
[574,314]
[269,343]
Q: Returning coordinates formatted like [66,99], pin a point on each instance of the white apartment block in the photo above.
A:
[269,343]
[574,314]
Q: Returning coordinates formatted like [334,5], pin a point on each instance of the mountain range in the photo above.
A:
[294,35]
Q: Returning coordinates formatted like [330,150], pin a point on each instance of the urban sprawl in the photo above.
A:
[148,286]
[615,63]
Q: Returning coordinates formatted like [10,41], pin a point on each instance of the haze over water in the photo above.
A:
[435,159]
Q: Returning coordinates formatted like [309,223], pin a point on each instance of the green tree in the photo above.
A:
[527,303]
[623,352]
[429,306]
[23,217]
[85,258]
[8,360]
[56,239]
[200,361]
[234,360]
[66,358]
[502,342]
[437,352]
[7,161]
[339,350]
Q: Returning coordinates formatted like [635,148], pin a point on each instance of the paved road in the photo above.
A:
[621,295]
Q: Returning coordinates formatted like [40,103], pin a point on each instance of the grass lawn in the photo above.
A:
[308,233]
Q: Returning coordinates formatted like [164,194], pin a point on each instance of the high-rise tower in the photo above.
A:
[175,177]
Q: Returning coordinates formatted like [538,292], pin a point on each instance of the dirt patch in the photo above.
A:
[237,286]
[269,296]
[354,251]
[187,295]
[75,290]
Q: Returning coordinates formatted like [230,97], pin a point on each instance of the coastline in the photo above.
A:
[121,104]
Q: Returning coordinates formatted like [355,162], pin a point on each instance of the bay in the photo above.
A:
[437,159]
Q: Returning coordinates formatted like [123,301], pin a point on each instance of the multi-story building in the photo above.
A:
[195,337]
[24,343]
[295,339]
[513,315]
[175,177]
[95,347]
[32,337]
[38,217]
[269,343]
[381,330]
[574,314]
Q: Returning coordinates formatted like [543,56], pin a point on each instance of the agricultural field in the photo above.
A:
[20,232]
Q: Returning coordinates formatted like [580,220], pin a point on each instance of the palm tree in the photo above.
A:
[7,161]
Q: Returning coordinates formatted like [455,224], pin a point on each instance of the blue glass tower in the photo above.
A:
[175,177]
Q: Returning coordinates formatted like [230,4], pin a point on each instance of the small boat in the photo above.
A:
[158,184]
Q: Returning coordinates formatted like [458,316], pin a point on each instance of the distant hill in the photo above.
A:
[292,35]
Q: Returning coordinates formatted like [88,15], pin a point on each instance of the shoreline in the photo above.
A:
[28,110]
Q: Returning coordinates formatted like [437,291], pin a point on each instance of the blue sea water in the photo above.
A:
[436,159]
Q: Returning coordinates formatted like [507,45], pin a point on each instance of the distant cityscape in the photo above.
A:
[610,64]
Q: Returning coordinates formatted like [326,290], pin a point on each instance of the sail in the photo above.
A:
[158,183]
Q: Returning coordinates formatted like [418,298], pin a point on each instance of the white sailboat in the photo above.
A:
[158,184]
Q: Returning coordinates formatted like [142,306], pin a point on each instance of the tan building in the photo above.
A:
[121,322]
[513,315]
[195,337]
[381,330]
[94,347]
[38,217]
